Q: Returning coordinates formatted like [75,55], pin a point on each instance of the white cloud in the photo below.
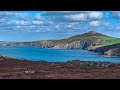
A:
[95,23]
[50,22]
[22,22]
[95,15]
[61,12]
[74,15]
[3,20]
[116,14]
[38,17]
[18,22]
[118,27]
[77,17]
[106,23]
[6,14]
[21,15]
[64,12]
[57,26]
[72,26]
[99,23]
[53,21]
[37,22]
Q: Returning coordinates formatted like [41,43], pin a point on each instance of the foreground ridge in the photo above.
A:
[11,68]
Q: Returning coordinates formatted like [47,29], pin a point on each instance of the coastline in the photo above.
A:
[11,68]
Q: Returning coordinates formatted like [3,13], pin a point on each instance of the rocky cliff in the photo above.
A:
[111,50]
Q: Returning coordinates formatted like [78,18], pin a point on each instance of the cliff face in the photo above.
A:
[48,44]
[83,44]
[42,44]
[72,45]
[111,50]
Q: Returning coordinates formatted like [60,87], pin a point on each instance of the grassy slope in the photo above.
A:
[108,40]
[83,37]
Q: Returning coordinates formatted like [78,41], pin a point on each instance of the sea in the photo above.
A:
[54,55]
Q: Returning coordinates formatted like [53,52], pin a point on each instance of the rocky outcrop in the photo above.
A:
[111,50]
[72,45]
[89,64]
[46,44]
[93,32]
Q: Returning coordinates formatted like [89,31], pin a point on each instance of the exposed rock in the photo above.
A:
[111,50]
[89,64]
[74,45]
[93,32]
[29,72]
[85,45]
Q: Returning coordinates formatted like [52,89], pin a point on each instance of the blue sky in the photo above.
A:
[45,25]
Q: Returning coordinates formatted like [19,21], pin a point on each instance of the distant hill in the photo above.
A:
[89,41]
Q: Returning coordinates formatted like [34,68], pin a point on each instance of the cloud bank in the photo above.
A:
[58,22]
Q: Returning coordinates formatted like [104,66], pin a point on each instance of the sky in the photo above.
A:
[47,25]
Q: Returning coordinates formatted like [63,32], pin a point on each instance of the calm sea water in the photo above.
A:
[54,55]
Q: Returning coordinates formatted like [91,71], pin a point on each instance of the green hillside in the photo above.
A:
[89,37]
[108,40]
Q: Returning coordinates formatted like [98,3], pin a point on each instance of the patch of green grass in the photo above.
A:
[108,40]
[98,46]
[40,41]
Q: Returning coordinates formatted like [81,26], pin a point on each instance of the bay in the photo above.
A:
[53,55]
